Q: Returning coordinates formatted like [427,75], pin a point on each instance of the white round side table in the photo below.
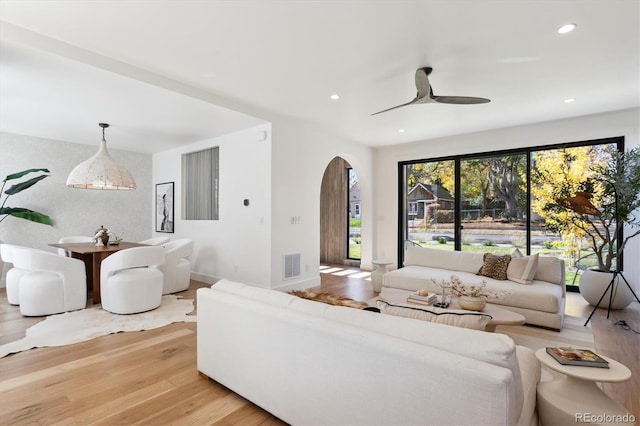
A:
[576,398]
[378,273]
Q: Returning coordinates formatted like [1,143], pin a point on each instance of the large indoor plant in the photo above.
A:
[21,212]
[599,208]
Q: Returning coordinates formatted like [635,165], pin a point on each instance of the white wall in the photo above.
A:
[74,211]
[237,246]
[300,156]
[618,123]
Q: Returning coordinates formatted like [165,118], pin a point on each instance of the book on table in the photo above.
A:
[580,357]
[424,300]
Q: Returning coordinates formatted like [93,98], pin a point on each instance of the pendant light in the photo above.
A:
[101,171]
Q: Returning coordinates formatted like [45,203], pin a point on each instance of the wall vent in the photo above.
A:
[291,265]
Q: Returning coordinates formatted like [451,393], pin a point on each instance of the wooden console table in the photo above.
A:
[92,257]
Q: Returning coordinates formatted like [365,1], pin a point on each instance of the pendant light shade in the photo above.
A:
[101,171]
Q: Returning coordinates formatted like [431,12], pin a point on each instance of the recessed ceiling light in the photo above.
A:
[401,131]
[566,28]
[335,97]
[569,100]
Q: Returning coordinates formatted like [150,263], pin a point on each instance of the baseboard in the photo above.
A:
[204,278]
[299,285]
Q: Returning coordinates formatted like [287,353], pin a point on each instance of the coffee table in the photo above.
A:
[576,397]
[499,316]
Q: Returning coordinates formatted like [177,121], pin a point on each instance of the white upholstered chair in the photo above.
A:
[72,239]
[52,283]
[13,274]
[128,284]
[156,241]
[176,268]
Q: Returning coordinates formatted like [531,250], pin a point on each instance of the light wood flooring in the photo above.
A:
[150,377]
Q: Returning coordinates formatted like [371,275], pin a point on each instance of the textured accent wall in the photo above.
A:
[74,211]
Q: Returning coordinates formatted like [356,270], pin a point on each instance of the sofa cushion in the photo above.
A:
[445,259]
[458,318]
[495,266]
[522,269]
[550,269]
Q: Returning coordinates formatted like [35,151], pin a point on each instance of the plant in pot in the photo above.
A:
[595,209]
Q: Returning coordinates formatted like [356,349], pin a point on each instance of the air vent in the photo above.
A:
[291,265]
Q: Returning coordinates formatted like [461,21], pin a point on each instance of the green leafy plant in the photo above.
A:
[613,188]
[20,212]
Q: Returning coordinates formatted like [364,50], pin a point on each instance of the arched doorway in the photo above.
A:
[340,211]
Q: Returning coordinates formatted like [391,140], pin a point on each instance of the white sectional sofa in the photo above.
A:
[309,363]
[542,302]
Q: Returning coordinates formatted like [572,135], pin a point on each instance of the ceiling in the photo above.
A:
[168,73]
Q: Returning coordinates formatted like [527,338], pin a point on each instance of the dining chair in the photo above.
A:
[72,239]
[52,283]
[156,241]
[13,274]
[128,282]
[176,268]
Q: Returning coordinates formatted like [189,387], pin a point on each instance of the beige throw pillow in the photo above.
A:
[458,318]
[522,269]
[495,266]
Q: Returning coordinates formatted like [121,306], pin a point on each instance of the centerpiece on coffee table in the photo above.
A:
[472,297]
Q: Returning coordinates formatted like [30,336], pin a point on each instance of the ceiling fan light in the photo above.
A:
[567,28]
[101,172]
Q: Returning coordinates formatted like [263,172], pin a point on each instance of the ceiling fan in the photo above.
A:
[425,93]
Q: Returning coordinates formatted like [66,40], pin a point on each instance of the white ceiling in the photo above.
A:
[166,73]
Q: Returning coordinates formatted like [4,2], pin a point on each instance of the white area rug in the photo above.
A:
[87,324]
[573,333]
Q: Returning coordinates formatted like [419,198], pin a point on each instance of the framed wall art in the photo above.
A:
[164,207]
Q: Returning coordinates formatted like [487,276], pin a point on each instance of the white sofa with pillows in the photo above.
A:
[534,285]
[309,363]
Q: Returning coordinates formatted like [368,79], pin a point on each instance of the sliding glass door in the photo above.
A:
[497,202]
[429,204]
[493,203]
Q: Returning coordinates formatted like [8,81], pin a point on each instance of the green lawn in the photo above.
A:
[354,251]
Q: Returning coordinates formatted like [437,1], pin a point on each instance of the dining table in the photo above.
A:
[92,256]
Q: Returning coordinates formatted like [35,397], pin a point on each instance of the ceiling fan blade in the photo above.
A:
[459,100]
[397,106]
[422,82]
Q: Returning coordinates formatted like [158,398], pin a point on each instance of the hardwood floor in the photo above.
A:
[150,377]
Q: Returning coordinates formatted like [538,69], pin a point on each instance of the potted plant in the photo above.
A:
[607,199]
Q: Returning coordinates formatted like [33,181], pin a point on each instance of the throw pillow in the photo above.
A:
[521,268]
[330,299]
[458,318]
[495,266]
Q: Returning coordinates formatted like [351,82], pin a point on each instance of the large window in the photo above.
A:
[200,185]
[494,202]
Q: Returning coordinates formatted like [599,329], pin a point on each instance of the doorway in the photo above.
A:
[340,211]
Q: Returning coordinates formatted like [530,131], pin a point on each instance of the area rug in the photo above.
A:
[87,324]
[573,334]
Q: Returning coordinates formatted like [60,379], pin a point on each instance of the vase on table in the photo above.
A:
[472,303]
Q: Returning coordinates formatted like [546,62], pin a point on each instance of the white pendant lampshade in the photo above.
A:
[101,171]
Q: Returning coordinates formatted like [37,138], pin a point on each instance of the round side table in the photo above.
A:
[378,273]
[576,398]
